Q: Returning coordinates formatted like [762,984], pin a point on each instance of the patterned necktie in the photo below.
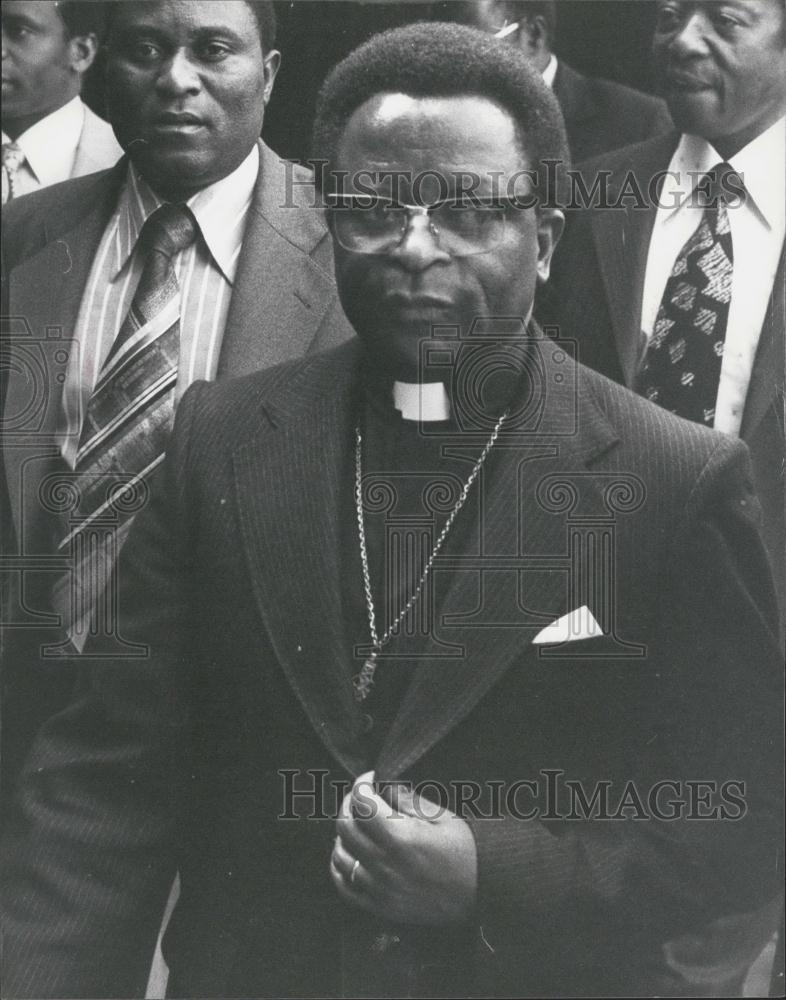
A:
[682,365]
[13,158]
[128,419]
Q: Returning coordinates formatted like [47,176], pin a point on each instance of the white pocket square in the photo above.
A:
[577,624]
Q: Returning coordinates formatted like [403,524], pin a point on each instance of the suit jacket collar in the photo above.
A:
[622,235]
[281,291]
[767,390]
[289,471]
[46,289]
[279,298]
[570,89]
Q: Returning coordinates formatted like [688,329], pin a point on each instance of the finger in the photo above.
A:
[380,823]
[343,859]
[364,800]
[351,894]
[355,841]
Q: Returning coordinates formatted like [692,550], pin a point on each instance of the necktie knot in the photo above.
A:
[719,186]
[12,159]
[13,156]
[170,229]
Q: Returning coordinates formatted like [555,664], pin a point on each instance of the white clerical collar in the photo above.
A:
[550,72]
[421,401]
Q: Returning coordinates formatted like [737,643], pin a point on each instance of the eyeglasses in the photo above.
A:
[460,227]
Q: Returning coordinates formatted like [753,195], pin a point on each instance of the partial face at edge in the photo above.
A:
[42,66]
[723,67]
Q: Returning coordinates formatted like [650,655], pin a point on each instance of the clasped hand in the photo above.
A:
[404,859]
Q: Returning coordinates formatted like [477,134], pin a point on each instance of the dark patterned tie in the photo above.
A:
[128,419]
[682,365]
[13,157]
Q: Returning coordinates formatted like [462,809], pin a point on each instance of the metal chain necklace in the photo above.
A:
[362,682]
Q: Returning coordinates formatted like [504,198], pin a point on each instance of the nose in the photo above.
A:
[179,76]
[691,38]
[419,246]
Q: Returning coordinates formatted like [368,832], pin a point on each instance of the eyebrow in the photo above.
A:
[20,20]
[200,34]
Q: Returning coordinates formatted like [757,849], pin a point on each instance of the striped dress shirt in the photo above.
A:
[205,273]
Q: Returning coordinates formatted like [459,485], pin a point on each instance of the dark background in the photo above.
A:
[608,38]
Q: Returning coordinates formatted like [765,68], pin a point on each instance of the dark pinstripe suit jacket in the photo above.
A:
[230,585]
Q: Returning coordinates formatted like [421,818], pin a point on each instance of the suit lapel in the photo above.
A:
[622,235]
[515,521]
[280,294]
[571,91]
[767,378]
[45,292]
[292,542]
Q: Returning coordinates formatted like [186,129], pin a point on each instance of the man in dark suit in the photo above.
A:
[370,569]
[724,73]
[254,287]
[599,115]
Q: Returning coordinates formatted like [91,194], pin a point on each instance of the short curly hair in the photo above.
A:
[436,59]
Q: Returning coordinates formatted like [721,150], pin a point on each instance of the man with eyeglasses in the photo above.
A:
[430,667]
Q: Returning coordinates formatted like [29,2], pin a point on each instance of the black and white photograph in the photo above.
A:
[392,499]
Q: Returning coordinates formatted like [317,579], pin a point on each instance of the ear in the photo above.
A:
[82,51]
[538,34]
[272,63]
[551,222]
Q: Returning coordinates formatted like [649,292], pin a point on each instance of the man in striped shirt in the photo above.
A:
[199,256]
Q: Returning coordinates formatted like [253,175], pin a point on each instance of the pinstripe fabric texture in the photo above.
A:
[188,747]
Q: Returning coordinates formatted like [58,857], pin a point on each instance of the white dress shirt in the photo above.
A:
[758,224]
[205,272]
[550,72]
[50,148]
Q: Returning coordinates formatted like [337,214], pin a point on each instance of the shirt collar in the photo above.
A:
[50,145]
[761,165]
[220,210]
[550,72]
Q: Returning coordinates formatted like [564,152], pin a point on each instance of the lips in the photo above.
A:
[405,300]
[177,121]
[678,79]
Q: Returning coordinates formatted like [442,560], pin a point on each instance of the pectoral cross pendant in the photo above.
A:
[363,681]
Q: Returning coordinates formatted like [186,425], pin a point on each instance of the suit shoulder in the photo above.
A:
[51,199]
[649,154]
[40,210]
[628,100]
[648,432]
[283,390]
